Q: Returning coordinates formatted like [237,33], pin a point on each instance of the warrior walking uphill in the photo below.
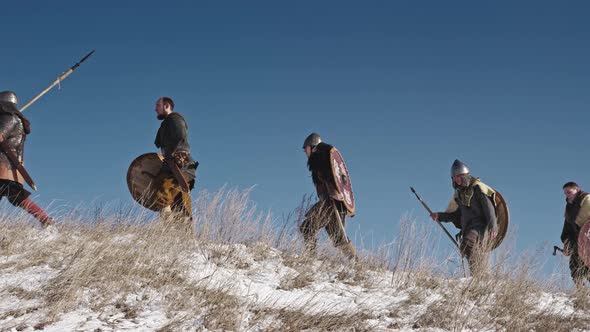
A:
[330,211]
[472,211]
[14,128]
[577,213]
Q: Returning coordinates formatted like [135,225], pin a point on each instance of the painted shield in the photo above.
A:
[342,179]
[147,185]
[584,243]
[503,219]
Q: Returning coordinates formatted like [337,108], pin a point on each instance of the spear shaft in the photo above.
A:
[57,81]
[438,222]
[443,228]
[16,163]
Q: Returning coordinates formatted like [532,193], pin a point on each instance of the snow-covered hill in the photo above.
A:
[130,276]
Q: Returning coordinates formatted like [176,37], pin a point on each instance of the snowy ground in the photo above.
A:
[257,288]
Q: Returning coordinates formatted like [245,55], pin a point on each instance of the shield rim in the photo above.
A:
[584,253]
[502,227]
[351,209]
[129,187]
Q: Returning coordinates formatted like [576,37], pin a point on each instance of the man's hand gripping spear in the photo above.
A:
[441,226]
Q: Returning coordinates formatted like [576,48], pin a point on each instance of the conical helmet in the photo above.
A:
[8,97]
[312,140]
[459,168]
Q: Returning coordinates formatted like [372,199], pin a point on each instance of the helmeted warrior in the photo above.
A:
[329,212]
[14,128]
[472,210]
[577,213]
[172,139]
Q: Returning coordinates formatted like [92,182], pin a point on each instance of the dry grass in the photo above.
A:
[297,321]
[302,280]
[506,298]
[118,261]
[99,263]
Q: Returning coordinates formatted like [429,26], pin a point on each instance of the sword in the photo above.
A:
[16,163]
[178,175]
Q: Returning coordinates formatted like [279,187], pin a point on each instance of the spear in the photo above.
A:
[57,81]
[431,213]
[441,226]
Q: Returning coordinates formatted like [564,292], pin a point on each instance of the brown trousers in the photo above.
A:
[177,204]
[328,214]
[477,250]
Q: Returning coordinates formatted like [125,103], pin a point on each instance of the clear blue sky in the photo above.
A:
[401,88]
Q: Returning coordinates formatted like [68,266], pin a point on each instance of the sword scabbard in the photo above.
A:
[177,173]
[17,164]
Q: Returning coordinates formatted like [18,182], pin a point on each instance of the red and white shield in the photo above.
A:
[342,180]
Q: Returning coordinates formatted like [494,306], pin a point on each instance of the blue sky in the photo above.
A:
[401,88]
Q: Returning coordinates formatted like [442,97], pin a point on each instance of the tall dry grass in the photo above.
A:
[105,256]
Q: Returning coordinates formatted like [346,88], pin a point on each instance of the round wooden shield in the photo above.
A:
[342,179]
[584,243]
[503,217]
[141,180]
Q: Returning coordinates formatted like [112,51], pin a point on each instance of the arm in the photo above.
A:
[171,135]
[320,186]
[454,217]
[567,232]
[488,210]
[177,133]
[7,122]
[451,214]
[568,238]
